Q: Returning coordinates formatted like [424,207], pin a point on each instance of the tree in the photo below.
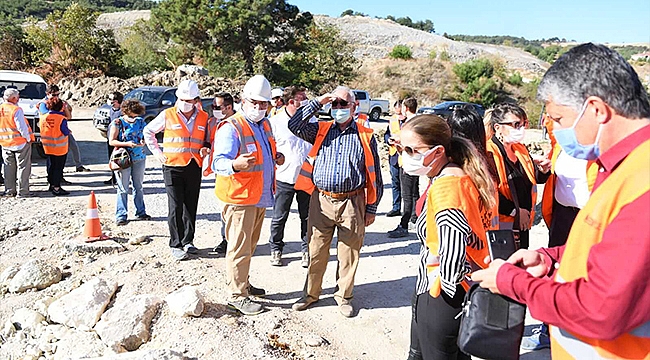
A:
[401,52]
[348,12]
[143,50]
[14,52]
[70,42]
[471,70]
[216,28]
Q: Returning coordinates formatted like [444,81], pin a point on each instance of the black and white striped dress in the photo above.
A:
[454,233]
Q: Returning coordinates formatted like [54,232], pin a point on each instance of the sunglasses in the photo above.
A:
[218,107]
[516,125]
[410,151]
[342,103]
[54,95]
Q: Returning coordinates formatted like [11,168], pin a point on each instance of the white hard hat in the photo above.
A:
[277,92]
[187,90]
[257,88]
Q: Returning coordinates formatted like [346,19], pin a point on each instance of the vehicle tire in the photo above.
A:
[375,114]
[103,134]
[40,150]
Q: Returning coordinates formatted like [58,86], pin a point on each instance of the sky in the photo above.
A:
[613,21]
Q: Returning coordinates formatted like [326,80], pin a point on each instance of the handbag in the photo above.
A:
[120,157]
[491,326]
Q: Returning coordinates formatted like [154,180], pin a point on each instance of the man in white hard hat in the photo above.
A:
[244,162]
[277,102]
[185,143]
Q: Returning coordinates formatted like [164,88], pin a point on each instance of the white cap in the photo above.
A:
[277,92]
[187,90]
[257,88]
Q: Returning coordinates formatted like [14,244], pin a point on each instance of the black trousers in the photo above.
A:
[54,165]
[410,194]
[284,194]
[435,326]
[563,217]
[182,184]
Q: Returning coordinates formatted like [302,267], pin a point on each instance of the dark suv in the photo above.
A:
[445,109]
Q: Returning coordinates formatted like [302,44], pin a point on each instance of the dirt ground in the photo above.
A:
[384,283]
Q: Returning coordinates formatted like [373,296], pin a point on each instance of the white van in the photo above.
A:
[32,90]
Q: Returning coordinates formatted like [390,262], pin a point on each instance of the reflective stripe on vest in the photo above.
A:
[629,181]
[522,154]
[179,145]
[9,134]
[245,187]
[458,192]
[305,181]
[54,142]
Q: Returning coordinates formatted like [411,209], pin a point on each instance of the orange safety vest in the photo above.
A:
[179,146]
[548,195]
[54,142]
[507,221]
[627,183]
[213,124]
[245,187]
[9,134]
[305,180]
[395,130]
[458,192]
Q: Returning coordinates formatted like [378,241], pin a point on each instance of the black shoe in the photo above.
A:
[221,248]
[65,182]
[121,222]
[2,180]
[252,290]
[393,213]
[110,181]
[81,168]
[60,192]
[143,217]
[399,232]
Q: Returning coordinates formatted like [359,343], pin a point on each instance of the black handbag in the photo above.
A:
[491,326]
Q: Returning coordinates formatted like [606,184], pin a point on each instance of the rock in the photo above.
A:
[83,306]
[139,240]
[34,274]
[42,305]
[8,274]
[186,301]
[313,340]
[156,354]
[76,344]
[8,329]
[25,318]
[126,324]
[102,247]
[184,70]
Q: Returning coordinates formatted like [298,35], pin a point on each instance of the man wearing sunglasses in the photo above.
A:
[342,174]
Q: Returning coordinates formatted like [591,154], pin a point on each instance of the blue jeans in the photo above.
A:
[136,174]
[396,186]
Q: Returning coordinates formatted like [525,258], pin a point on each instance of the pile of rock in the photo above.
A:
[93,92]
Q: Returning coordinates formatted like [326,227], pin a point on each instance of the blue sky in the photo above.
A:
[622,21]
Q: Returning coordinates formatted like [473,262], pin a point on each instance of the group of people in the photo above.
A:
[588,285]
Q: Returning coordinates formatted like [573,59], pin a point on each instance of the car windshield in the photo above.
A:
[28,90]
[147,97]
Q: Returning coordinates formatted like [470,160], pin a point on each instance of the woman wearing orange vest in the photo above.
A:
[460,208]
[54,136]
[517,171]
[594,290]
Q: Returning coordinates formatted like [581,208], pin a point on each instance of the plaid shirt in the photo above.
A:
[340,164]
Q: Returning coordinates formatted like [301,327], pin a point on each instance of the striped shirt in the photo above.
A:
[340,164]
[454,233]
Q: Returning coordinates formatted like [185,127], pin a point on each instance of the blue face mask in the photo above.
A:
[569,143]
[341,115]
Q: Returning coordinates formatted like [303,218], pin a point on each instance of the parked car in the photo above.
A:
[445,109]
[32,91]
[373,107]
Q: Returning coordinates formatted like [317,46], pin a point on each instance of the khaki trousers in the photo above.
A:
[243,226]
[18,167]
[348,218]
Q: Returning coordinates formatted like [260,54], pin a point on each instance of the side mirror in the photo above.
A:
[166,103]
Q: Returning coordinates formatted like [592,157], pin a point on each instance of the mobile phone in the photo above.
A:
[501,244]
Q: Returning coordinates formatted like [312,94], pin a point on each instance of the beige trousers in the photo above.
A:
[348,218]
[243,226]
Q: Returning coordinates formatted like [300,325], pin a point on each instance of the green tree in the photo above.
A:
[70,42]
[401,52]
[348,12]
[143,50]
[15,53]
[212,29]
[481,91]
[471,70]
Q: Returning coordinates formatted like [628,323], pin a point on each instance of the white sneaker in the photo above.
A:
[276,258]
[304,262]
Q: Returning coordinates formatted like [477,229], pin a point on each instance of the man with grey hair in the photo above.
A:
[342,174]
[15,138]
[594,289]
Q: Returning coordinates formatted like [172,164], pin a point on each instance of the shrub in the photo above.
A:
[515,79]
[401,52]
[444,56]
[481,91]
[389,72]
[433,54]
[143,50]
[472,70]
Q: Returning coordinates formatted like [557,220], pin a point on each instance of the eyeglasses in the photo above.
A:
[217,107]
[55,95]
[340,103]
[516,125]
[411,150]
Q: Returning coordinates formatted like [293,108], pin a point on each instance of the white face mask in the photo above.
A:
[218,114]
[252,113]
[184,106]
[515,135]
[414,165]
[303,103]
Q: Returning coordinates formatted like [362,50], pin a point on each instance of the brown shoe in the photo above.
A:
[303,303]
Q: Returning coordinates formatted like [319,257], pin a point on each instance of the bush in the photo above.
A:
[433,55]
[472,70]
[144,50]
[515,79]
[389,72]
[401,52]
[444,56]
[481,91]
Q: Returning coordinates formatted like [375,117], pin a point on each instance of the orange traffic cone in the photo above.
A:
[93,229]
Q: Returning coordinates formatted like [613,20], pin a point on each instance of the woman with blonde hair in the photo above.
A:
[460,208]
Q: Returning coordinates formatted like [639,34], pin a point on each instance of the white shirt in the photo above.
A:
[158,124]
[571,187]
[294,149]
[21,125]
